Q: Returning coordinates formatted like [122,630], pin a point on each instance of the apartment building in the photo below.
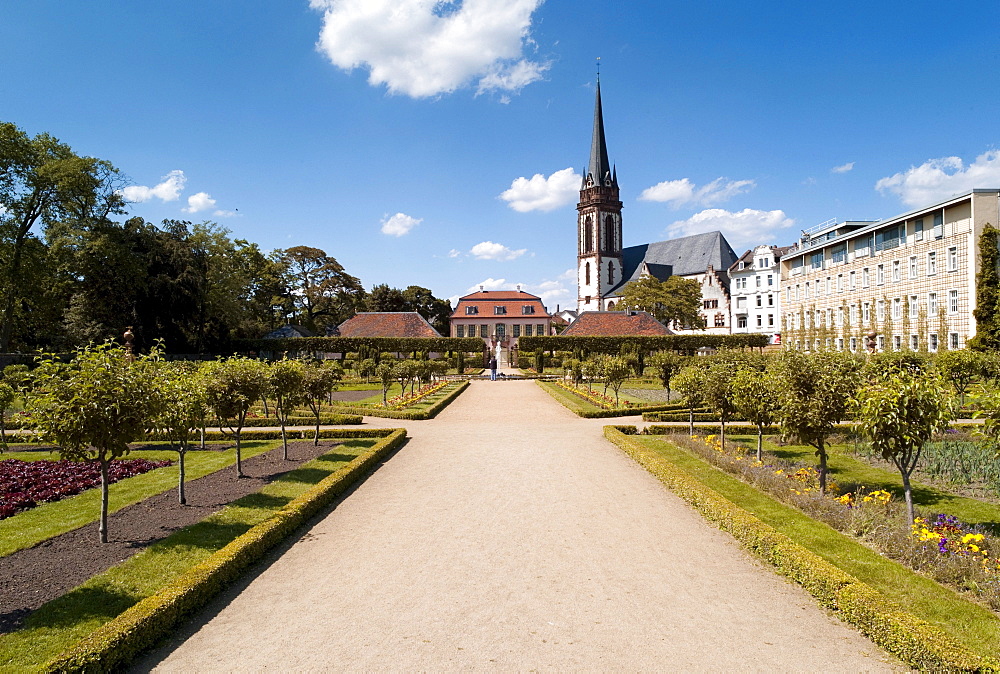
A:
[756,301]
[910,279]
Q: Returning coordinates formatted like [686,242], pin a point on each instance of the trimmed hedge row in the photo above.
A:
[324,419]
[118,642]
[412,415]
[597,412]
[614,345]
[702,429]
[916,642]
[291,434]
[355,344]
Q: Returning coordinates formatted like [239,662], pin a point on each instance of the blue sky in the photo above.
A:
[440,143]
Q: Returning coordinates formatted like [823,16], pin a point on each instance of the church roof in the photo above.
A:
[387,324]
[615,324]
[686,256]
[485,302]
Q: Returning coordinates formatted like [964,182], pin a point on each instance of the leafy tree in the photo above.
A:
[666,364]
[7,397]
[321,289]
[384,298]
[321,379]
[231,387]
[987,311]
[366,368]
[888,363]
[676,300]
[899,414]
[690,383]
[286,382]
[386,374]
[961,368]
[182,409]
[616,371]
[43,181]
[94,406]
[814,394]
[718,394]
[435,310]
[753,397]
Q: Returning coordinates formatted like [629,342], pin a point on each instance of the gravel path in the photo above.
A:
[509,535]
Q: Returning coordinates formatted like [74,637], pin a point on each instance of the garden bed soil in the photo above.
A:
[353,396]
[34,576]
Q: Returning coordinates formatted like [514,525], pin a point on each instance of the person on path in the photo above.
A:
[493,368]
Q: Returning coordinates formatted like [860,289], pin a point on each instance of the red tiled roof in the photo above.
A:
[387,324]
[513,300]
[615,324]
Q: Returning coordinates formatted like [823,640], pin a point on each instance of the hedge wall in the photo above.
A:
[613,345]
[354,344]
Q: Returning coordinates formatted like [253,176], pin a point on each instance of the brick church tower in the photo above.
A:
[599,224]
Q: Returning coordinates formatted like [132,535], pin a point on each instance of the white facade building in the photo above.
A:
[755,292]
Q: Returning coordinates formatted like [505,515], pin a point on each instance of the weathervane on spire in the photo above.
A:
[598,69]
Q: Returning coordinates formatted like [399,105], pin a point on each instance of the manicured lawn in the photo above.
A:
[851,470]
[973,625]
[576,404]
[51,519]
[65,620]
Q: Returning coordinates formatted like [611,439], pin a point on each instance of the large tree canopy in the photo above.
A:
[322,292]
[676,300]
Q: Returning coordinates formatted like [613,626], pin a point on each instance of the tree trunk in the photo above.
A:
[760,443]
[690,421]
[239,456]
[722,432]
[10,300]
[908,495]
[181,453]
[821,453]
[103,528]
[284,439]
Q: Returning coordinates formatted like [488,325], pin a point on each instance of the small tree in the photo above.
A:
[961,368]
[231,387]
[320,380]
[182,409]
[94,406]
[755,397]
[386,374]
[717,392]
[690,383]
[616,371]
[666,364]
[814,395]
[366,368]
[286,382]
[899,414]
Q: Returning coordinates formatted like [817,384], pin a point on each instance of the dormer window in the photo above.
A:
[499,311]
[471,311]
[527,309]
[741,265]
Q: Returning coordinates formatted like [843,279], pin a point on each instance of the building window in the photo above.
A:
[932,342]
[770,300]
[953,258]
[839,254]
[484,330]
[770,320]
[880,342]
[914,343]
[760,321]
[460,331]
[609,235]
[865,280]
[880,311]
[499,311]
[758,300]
[932,305]
[527,329]
[720,320]
[711,304]
[880,274]
[829,285]
[896,275]
[914,307]
[840,283]
[897,342]
[887,238]
[851,281]
[913,266]
[501,331]
[816,260]
[586,275]
[540,330]
[471,311]
[611,272]
[515,330]
[938,225]
[741,322]
[952,301]
[588,236]
[952,340]
[758,281]
[527,310]
[918,230]
[866,312]
[931,263]
[770,280]
[854,343]
[586,300]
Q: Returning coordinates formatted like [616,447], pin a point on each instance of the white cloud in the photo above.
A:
[426,48]
[543,194]
[454,252]
[169,189]
[843,168]
[225,214]
[201,201]
[487,250]
[683,192]
[740,228]
[938,179]
[399,224]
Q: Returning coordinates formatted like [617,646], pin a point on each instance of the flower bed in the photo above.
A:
[939,545]
[404,400]
[25,484]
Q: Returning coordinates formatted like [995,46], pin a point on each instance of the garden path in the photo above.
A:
[508,534]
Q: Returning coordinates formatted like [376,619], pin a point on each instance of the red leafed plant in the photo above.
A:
[25,484]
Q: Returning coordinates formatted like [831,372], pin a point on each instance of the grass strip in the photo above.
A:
[31,527]
[936,628]
[427,408]
[114,616]
[848,469]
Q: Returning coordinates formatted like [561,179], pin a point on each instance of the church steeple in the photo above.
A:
[599,171]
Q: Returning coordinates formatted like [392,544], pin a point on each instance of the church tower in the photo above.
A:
[599,224]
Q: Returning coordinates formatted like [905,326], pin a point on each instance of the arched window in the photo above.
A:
[611,272]
[588,236]
[586,274]
[609,233]
[611,306]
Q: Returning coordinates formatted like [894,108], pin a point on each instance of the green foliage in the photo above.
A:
[381,345]
[232,385]
[676,300]
[93,406]
[754,399]
[889,363]
[666,364]
[7,397]
[987,311]
[684,344]
[319,380]
[287,384]
[181,410]
[815,393]
[961,368]
[899,414]
[615,371]
[321,291]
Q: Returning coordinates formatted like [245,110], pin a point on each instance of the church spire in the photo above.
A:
[599,171]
